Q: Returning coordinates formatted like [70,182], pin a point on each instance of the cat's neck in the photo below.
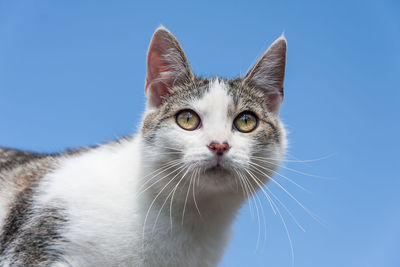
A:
[198,238]
[218,210]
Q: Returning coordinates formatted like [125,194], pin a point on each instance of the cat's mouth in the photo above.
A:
[217,169]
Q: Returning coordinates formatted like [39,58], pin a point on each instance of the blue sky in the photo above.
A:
[72,74]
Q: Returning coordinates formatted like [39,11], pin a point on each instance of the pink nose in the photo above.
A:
[219,149]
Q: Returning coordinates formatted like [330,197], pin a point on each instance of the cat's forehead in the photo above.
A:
[216,98]
[217,94]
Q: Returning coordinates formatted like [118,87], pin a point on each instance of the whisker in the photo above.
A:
[187,195]
[309,160]
[194,194]
[245,189]
[290,195]
[287,210]
[151,145]
[240,181]
[288,235]
[291,169]
[253,192]
[160,170]
[270,200]
[160,179]
[281,175]
[260,186]
[172,198]
[162,166]
[264,220]
[283,222]
[283,205]
[157,154]
[294,160]
[166,199]
[159,193]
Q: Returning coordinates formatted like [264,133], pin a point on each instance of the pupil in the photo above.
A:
[245,118]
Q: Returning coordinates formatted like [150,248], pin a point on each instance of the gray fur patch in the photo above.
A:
[31,236]
[10,158]
[27,233]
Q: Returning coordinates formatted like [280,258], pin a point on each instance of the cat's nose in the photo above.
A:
[218,148]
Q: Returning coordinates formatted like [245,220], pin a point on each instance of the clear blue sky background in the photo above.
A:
[72,74]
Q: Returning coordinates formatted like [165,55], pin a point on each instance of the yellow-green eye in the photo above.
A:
[188,119]
[246,122]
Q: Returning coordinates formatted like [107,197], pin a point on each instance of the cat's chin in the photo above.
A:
[218,179]
[219,175]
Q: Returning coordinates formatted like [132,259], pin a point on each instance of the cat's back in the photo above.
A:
[12,158]
[19,170]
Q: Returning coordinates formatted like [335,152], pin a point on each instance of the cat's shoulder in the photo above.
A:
[20,168]
[11,158]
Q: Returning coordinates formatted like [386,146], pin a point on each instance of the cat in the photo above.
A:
[167,196]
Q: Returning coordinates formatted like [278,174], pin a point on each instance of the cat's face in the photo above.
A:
[217,133]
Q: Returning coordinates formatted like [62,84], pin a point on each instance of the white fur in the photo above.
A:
[102,194]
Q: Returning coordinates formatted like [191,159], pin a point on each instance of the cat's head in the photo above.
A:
[215,132]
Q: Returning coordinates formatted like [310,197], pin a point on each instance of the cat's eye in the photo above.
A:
[246,122]
[188,119]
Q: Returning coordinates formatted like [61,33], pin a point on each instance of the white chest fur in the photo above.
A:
[106,215]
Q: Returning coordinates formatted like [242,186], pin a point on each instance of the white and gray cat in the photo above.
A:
[166,196]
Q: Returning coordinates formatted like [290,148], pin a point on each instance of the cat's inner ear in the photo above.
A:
[167,66]
[268,74]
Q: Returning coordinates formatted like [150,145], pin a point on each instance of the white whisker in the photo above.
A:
[281,175]
[289,169]
[315,217]
[159,193]
[247,194]
[172,197]
[194,194]
[283,205]
[260,186]
[162,169]
[187,195]
[162,178]
[253,192]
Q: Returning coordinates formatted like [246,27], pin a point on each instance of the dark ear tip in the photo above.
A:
[161,30]
[280,42]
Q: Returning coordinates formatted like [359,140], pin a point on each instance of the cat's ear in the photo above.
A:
[167,66]
[268,74]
